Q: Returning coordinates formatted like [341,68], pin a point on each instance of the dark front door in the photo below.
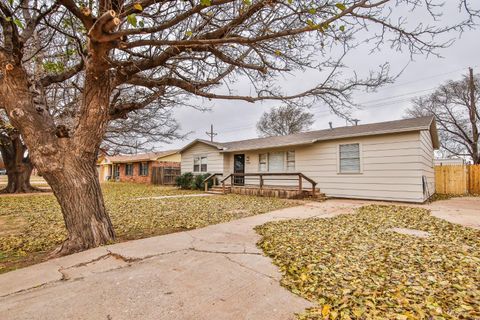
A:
[239,167]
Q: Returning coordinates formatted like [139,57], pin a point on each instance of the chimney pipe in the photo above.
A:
[330,124]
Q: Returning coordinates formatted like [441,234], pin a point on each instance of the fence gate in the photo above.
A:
[451,179]
[474,179]
[457,179]
[165,175]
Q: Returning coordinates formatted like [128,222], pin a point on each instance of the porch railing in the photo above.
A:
[210,177]
[266,176]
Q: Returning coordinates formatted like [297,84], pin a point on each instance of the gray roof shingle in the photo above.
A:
[404,125]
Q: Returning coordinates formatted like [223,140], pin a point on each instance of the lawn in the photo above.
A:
[32,225]
[354,267]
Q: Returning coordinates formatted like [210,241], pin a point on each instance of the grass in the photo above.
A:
[32,225]
[354,267]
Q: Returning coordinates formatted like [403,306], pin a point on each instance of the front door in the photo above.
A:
[239,167]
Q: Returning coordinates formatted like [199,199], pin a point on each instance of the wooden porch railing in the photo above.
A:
[264,176]
[210,177]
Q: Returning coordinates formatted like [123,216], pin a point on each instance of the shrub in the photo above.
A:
[197,183]
[194,182]
[184,181]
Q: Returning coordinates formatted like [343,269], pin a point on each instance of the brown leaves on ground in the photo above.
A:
[355,268]
[42,228]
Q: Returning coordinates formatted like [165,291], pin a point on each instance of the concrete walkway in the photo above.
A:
[212,273]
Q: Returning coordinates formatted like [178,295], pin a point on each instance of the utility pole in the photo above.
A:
[473,117]
[211,134]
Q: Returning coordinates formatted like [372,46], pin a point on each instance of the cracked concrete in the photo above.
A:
[209,273]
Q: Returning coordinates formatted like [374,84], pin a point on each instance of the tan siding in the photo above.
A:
[426,157]
[392,167]
[214,158]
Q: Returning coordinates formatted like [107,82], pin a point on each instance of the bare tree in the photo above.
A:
[454,106]
[167,51]
[284,120]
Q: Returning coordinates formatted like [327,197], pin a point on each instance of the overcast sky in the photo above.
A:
[236,120]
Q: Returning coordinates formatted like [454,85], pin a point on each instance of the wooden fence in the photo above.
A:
[457,179]
[165,175]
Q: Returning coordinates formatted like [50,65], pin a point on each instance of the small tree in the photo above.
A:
[284,120]
[454,106]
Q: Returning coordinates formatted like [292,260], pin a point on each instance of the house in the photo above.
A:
[382,161]
[138,167]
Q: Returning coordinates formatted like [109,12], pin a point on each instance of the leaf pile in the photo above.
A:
[355,268]
[42,227]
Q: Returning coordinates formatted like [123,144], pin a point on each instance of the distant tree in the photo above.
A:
[124,55]
[454,106]
[15,158]
[284,120]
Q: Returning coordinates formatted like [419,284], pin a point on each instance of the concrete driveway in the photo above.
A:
[212,273]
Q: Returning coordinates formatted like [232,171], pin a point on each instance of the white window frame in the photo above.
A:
[266,162]
[285,161]
[141,169]
[360,155]
[294,160]
[200,163]
[129,165]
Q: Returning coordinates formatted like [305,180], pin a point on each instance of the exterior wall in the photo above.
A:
[426,155]
[176,157]
[392,167]
[214,158]
[136,177]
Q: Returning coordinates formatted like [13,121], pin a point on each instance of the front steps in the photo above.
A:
[277,192]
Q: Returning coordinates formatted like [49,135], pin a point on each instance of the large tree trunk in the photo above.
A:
[78,192]
[18,165]
[19,178]
[66,159]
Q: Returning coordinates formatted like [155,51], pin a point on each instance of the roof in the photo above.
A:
[404,125]
[149,156]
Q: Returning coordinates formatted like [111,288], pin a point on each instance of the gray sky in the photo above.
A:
[235,120]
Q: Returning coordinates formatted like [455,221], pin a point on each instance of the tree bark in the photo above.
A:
[19,178]
[19,167]
[78,192]
[67,162]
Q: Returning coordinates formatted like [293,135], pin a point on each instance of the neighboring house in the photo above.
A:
[136,168]
[384,161]
[449,161]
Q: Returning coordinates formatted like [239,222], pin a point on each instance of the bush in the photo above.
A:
[198,181]
[184,181]
[194,182]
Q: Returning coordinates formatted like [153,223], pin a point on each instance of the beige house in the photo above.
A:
[383,161]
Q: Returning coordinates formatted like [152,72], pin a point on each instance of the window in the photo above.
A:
[200,164]
[349,158]
[290,161]
[129,169]
[263,162]
[276,161]
[143,168]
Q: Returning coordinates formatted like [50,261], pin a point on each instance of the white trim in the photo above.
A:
[199,155]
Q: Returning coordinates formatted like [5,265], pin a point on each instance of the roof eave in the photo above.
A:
[199,141]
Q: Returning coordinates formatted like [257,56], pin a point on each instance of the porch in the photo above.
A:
[287,185]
